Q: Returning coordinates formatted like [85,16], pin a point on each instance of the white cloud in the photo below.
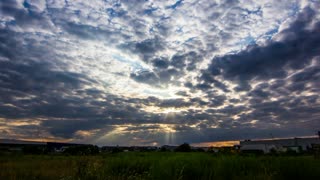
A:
[100,39]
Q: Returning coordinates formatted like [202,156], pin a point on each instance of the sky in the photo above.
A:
[143,72]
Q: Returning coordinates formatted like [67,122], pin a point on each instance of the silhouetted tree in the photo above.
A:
[116,150]
[185,147]
[163,149]
[82,150]
[273,151]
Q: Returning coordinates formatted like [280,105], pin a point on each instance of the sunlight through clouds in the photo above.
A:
[158,72]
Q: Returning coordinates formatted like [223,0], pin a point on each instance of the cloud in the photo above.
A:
[160,63]
[296,49]
[158,72]
[25,17]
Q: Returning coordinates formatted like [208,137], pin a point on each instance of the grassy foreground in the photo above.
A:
[156,165]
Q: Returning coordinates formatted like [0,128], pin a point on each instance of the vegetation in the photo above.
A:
[183,148]
[82,150]
[158,165]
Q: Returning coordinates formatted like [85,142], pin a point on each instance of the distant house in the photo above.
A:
[293,144]
[263,148]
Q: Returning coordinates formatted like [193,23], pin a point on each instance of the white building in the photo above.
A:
[279,144]
[261,147]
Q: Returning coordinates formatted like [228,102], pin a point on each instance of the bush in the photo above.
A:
[82,150]
[116,150]
[158,166]
[185,147]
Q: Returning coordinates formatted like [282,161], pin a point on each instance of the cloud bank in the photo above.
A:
[152,73]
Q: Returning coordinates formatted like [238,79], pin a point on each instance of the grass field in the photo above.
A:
[158,166]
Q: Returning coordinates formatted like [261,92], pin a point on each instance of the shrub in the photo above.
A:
[185,147]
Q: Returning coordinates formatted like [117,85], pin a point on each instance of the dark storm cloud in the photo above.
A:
[176,4]
[311,73]
[259,93]
[217,100]
[44,86]
[242,86]
[68,128]
[146,48]
[267,67]
[167,74]
[159,77]
[162,63]
[299,44]
[210,82]
[187,60]
[198,101]
[96,117]
[146,77]
[13,47]
[27,17]
[174,103]
[182,93]
[30,74]
[166,70]
[31,87]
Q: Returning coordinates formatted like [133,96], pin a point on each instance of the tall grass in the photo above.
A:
[158,166]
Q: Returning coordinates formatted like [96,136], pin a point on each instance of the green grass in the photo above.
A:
[158,166]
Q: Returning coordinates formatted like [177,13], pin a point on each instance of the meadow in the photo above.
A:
[157,166]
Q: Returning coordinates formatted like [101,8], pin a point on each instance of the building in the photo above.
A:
[263,148]
[293,144]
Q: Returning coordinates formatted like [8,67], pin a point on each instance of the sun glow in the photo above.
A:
[112,67]
[167,128]
[216,144]
[162,110]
